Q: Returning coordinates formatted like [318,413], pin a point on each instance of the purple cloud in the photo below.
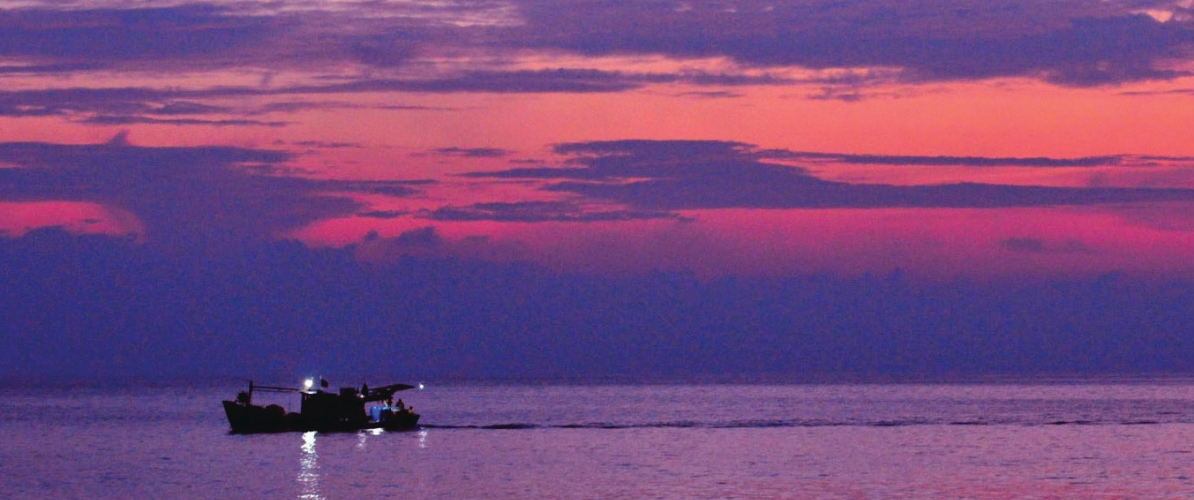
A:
[188,197]
[130,105]
[678,175]
[542,211]
[200,34]
[1067,43]
[473,152]
[964,161]
[382,214]
[129,120]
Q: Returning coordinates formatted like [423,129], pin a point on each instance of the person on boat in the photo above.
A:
[401,405]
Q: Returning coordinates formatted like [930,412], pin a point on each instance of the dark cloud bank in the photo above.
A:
[85,306]
[1077,43]
[1067,43]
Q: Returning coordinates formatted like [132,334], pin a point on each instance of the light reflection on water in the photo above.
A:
[308,476]
[363,437]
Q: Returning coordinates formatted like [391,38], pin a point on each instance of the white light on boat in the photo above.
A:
[420,387]
[308,383]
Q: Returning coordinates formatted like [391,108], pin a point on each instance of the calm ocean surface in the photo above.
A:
[1105,440]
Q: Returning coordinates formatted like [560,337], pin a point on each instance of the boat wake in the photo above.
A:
[767,424]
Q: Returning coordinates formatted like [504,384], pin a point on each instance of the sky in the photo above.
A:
[571,189]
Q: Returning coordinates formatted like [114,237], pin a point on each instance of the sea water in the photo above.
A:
[1079,440]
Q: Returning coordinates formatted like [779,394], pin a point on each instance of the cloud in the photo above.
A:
[679,175]
[187,197]
[542,211]
[326,144]
[1072,43]
[382,214]
[1068,43]
[299,106]
[208,37]
[964,161]
[712,94]
[129,120]
[422,237]
[44,69]
[427,242]
[68,101]
[198,34]
[552,80]
[127,105]
[131,105]
[1039,246]
[473,152]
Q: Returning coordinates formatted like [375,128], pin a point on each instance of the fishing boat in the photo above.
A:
[322,410]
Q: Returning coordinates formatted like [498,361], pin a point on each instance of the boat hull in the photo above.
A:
[399,421]
[252,419]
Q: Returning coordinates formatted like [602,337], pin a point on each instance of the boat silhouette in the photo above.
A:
[322,410]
